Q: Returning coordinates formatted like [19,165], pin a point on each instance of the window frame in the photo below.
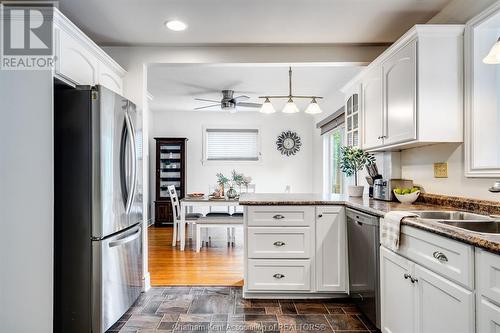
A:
[206,161]
[327,161]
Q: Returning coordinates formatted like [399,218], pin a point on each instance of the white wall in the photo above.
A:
[26,201]
[272,174]
[417,164]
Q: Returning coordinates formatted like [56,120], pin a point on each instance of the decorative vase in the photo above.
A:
[231,193]
[221,190]
[355,191]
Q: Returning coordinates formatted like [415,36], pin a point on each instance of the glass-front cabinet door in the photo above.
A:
[352,115]
[170,168]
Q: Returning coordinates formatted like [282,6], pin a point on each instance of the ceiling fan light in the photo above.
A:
[290,107]
[313,107]
[267,107]
[493,56]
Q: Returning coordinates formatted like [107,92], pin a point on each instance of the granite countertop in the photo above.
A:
[489,242]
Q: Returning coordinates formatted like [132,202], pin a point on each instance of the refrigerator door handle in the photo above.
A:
[127,239]
[131,135]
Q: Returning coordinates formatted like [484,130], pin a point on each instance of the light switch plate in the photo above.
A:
[440,170]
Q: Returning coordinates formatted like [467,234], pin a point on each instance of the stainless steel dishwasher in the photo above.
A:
[363,247]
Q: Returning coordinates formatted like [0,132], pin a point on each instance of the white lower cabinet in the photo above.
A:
[441,305]
[331,249]
[396,293]
[488,292]
[295,250]
[488,316]
[279,275]
[415,299]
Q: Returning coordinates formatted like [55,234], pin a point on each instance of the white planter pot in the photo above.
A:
[355,191]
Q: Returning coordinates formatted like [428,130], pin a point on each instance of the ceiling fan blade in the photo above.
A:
[207,106]
[244,97]
[206,100]
[249,105]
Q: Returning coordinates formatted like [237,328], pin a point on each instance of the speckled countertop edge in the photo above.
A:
[489,242]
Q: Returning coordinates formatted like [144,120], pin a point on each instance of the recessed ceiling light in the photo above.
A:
[176,25]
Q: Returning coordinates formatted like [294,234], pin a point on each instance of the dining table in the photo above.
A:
[188,204]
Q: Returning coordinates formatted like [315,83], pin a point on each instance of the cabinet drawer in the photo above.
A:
[276,242]
[279,275]
[442,255]
[280,216]
[488,275]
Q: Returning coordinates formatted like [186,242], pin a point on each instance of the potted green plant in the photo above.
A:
[352,160]
[221,181]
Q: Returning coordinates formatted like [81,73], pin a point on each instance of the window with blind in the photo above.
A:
[231,144]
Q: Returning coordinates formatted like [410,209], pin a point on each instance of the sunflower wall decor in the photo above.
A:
[288,143]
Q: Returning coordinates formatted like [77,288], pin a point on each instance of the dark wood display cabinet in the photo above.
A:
[170,170]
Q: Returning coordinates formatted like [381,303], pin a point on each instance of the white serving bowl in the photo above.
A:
[407,198]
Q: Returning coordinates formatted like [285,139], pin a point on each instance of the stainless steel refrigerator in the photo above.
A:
[98,207]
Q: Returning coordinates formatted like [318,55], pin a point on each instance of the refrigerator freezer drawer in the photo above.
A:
[117,276]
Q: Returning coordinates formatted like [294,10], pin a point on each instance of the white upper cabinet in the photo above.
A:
[371,87]
[353,117]
[75,62]
[482,96]
[80,61]
[399,82]
[412,93]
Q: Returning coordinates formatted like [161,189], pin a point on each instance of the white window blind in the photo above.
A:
[232,144]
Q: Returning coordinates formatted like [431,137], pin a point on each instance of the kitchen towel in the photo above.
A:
[390,227]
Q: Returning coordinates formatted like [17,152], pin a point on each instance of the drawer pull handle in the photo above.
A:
[278,217]
[320,215]
[408,276]
[440,256]
[278,276]
[279,243]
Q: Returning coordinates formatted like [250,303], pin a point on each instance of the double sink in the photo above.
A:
[469,221]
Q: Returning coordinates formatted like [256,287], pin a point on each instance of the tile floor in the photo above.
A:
[222,309]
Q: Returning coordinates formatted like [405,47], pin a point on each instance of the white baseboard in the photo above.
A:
[146,282]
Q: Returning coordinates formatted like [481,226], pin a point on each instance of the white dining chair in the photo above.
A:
[191,218]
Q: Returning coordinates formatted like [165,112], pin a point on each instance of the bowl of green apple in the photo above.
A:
[407,195]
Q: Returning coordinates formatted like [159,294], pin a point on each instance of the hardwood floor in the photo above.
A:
[216,265]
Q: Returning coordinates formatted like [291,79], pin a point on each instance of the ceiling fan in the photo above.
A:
[228,102]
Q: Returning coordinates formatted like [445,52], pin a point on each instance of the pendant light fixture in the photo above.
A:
[290,106]
[267,107]
[493,56]
[313,107]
